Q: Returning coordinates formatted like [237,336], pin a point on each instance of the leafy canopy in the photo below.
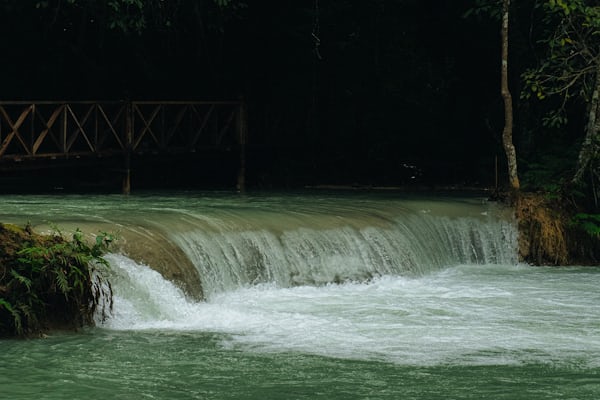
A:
[572,53]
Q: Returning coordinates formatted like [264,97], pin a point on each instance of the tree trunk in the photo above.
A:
[509,148]
[589,147]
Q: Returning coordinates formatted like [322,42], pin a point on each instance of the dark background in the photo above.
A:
[396,93]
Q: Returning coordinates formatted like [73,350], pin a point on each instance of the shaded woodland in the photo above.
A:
[377,92]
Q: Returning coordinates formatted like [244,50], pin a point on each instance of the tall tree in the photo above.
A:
[507,133]
[500,10]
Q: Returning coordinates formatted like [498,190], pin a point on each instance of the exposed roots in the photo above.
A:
[543,230]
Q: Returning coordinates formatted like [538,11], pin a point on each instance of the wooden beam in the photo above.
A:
[126,187]
[202,125]
[79,129]
[242,138]
[225,127]
[111,126]
[147,124]
[15,129]
[49,124]
[182,111]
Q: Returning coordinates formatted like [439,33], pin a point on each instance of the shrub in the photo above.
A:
[50,282]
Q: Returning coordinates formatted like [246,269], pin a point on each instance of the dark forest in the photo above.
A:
[369,93]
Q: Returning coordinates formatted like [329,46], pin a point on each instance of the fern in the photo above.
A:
[588,222]
[6,305]
[62,278]
[61,281]
[80,259]
[27,311]
[14,313]
[21,279]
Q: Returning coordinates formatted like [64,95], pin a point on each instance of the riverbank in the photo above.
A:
[549,233]
[49,282]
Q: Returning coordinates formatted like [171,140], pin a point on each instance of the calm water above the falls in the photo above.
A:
[317,296]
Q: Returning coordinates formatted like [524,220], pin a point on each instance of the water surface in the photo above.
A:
[335,296]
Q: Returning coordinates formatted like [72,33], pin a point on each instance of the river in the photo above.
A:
[313,296]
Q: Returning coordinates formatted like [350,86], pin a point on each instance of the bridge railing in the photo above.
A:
[56,129]
[53,129]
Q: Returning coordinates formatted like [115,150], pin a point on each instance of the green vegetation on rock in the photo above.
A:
[51,282]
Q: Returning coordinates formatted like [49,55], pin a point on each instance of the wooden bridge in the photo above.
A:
[52,129]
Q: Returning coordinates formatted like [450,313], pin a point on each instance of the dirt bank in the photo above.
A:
[548,234]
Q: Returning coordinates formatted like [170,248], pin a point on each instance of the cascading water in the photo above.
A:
[306,244]
[413,243]
[268,273]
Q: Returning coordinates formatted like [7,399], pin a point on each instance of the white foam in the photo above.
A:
[468,314]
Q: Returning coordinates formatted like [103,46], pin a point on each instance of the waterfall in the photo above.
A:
[213,243]
[233,253]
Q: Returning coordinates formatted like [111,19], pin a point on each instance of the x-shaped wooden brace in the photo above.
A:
[49,123]
[14,129]
[111,126]
[204,120]
[79,128]
[147,124]
[178,118]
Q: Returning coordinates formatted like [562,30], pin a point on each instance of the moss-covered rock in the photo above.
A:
[49,282]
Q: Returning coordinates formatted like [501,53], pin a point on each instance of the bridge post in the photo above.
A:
[63,132]
[242,134]
[126,188]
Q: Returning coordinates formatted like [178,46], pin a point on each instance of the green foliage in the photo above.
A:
[589,223]
[127,15]
[485,9]
[555,119]
[132,16]
[571,46]
[16,316]
[549,169]
[52,281]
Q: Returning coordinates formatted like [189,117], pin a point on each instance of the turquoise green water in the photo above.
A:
[435,306]
[168,365]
